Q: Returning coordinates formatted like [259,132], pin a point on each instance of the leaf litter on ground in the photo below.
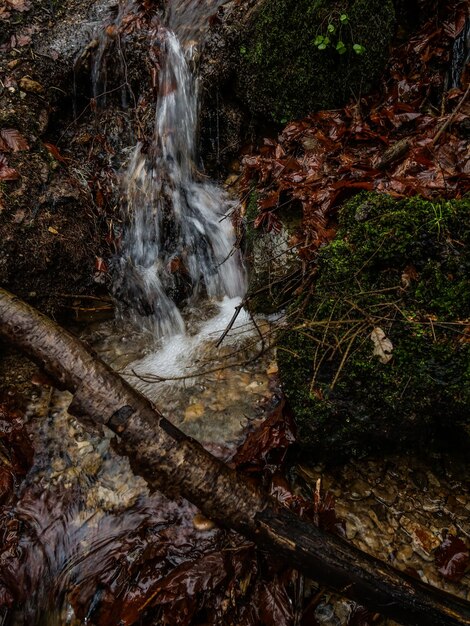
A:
[387,142]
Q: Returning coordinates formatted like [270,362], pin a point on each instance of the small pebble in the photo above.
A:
[201,523]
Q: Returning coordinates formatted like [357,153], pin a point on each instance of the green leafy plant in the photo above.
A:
[331,33]
[358,49]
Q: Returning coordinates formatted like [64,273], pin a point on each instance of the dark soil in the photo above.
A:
[59,216]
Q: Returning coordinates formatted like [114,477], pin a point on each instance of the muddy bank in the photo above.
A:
[66,142]
[48,228]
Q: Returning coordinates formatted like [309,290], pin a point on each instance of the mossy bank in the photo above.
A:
[379,357]
[286,71]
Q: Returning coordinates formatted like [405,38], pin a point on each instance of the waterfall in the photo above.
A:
[180,244]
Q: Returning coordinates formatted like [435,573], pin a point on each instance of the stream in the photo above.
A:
[183,339]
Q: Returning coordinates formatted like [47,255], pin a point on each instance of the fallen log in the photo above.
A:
[177,465]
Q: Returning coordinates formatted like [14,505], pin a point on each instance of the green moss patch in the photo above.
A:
[282,72]
[380,356]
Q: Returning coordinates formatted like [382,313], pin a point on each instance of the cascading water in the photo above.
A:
[180,242]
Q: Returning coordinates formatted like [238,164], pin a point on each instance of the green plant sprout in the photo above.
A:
[331,26]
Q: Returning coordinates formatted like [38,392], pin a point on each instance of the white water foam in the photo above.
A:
[181,355]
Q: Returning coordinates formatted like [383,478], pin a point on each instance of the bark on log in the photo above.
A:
[176,464]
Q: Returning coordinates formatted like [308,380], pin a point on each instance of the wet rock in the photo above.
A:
[193,412]
[424,542]
[31,86]
[359,490]
[432,504]
[92,463]
[271,258]
[84,447]
[463,525]
[203,524]
[258,387]
[58,466]
[372,543]
[382,524]
[273,368]
[385,493]
[353,525]
[217,407]
[244,72]
[325,615]
[420,479]
[433,480]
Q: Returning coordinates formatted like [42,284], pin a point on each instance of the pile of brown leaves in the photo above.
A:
[9,6]
[409,138]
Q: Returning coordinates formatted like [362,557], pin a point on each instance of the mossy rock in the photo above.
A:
[399,269]
[283,74]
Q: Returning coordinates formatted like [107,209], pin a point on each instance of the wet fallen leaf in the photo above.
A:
[23,40]
[19,5]
[275,605]
[53,230]
[408,276]
[452,558]
[55,152]
[11,139]
[382,345]
[100,265]
[6,172]
[267,446]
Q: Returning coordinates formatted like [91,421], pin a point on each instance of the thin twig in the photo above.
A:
[451,118]
[345,355]
[84,297]
[230,324]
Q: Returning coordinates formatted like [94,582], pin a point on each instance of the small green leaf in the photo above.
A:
[340,47]
[242,50]
[326,40]
[358,49]
[331,28]
[318,40]
[344,19]
[322,46]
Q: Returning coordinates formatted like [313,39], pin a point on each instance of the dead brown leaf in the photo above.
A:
[12,140]
[6,172]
